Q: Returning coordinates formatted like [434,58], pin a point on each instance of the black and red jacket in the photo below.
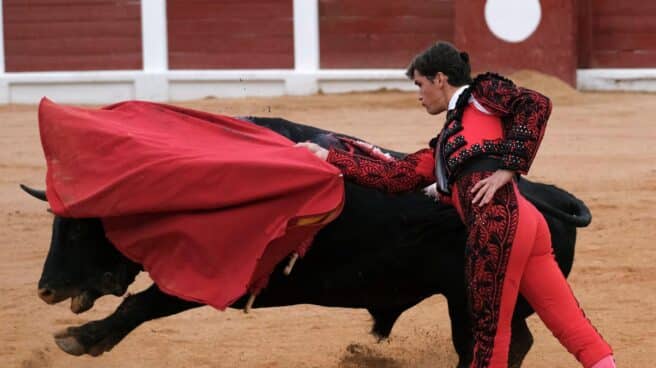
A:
[519,113]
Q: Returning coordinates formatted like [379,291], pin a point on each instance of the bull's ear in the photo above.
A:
[40,194]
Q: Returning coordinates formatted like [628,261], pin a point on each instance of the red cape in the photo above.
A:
[208,204]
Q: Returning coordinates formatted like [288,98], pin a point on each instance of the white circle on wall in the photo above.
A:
[513,20]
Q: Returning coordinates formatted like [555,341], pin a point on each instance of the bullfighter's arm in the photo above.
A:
[524,114]
[412,172]
[363,148]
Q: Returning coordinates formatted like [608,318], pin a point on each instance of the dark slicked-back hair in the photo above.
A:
[442,57]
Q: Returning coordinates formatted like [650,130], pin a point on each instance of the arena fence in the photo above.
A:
[156,81]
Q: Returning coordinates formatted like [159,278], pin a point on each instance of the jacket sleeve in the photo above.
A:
[412,172]
[524,113]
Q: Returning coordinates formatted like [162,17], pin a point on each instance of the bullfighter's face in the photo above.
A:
[432,92]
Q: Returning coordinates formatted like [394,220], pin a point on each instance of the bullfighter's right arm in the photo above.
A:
[412,172]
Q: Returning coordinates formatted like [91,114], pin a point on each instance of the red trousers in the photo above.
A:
[508,251]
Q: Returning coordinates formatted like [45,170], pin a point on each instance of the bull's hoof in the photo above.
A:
[69,343]
[379,338]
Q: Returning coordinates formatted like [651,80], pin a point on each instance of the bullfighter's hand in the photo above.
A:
[431,191]
[319,151]
[484,190]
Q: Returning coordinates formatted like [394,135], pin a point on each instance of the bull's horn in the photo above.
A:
[290,265]
[40,194]
[249,303]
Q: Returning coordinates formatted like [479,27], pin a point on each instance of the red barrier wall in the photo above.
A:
[551,48]
[617,34]
[380,33]
[50,35]
[56,35]
[230,34]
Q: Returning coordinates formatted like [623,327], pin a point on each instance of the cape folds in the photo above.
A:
[207,203]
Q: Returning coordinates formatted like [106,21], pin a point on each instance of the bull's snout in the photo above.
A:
[50,296]
[46,295]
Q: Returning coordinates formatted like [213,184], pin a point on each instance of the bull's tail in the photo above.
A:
[557,202]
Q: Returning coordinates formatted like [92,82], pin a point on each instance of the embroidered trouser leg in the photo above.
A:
[505,238]
[546,289]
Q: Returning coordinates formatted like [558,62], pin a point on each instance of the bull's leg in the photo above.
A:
[521,341]
[461,329]
[463,340]
[384,319]
[97,337]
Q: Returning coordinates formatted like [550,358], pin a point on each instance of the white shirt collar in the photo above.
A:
[454,98]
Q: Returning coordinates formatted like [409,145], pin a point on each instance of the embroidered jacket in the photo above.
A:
[523,114]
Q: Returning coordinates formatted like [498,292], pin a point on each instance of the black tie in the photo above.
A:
[440,161]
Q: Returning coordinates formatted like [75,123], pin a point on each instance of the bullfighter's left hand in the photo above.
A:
[319,151]
[484,190]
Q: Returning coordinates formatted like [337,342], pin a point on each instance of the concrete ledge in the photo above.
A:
[68,87]
[637,80]
[178,85]
[71,92]
[341,81]
[105,87]
[196,89]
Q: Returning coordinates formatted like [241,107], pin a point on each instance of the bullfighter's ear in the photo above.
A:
[40,194]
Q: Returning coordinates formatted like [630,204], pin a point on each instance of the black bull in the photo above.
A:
[385,253]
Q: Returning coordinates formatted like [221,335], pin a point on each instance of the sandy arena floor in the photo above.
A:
[602,147]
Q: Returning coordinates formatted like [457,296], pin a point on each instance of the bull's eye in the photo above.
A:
[49,210]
